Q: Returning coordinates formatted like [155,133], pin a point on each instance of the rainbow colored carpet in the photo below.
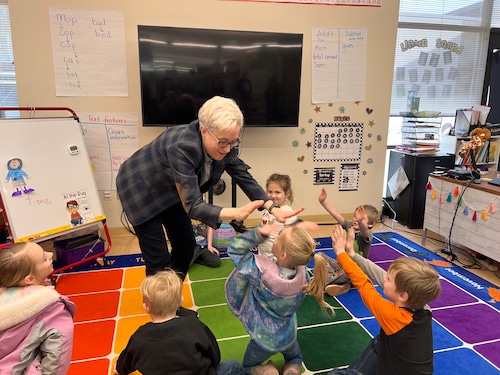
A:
[109,309]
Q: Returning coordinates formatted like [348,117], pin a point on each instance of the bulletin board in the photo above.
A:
[47,185]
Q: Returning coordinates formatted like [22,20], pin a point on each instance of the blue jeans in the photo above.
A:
[230,367]
[366,364]
[255,355]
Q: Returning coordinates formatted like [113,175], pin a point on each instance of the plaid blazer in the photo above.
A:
[146,182]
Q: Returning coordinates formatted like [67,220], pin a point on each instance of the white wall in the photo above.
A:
[265,150]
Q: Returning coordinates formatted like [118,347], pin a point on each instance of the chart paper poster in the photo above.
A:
[88,48]
[110,139]
[339,65]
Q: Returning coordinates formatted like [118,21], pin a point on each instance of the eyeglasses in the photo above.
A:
[224,144]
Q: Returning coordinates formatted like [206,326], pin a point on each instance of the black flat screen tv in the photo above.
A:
[180,68]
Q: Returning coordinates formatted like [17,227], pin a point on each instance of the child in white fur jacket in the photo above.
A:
[36,322]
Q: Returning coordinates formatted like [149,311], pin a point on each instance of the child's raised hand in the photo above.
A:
[339,239]
[322,196]
[349,247]
[360,214]
[281,215]
[267,230]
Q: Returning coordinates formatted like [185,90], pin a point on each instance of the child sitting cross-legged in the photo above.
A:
[172,343]
[404,344]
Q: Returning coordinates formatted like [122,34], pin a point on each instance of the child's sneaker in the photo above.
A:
[335,290]
[267,369]
[335,272]
[291,369]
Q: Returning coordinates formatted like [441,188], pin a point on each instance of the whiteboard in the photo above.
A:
[52,189]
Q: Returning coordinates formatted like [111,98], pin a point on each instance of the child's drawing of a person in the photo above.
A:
[72,207]
[16,173]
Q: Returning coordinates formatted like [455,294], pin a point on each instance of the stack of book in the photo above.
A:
[420,135]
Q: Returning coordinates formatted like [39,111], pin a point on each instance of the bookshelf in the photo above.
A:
[487,156]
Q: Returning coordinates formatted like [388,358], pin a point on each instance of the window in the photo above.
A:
[8,89]
[441,52]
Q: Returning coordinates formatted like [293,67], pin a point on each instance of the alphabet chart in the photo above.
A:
[338,141]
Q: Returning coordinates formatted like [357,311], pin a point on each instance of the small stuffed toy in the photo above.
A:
[477,138]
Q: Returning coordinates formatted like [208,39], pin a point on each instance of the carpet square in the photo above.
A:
[463,322]
[383,252]
[89,282]
[451,295]
[222,321]
[93,339]
[371,325]
[310,313]
[95,306]
[461,361]
[354,304]
[133,277]
[198,272]
[125,327]
[443,338]
[98,366]
[131,303]
[341,343]
[207,293]
[490,351]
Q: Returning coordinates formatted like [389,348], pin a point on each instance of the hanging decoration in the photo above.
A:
[448,197]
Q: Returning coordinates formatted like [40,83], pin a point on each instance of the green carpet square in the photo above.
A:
[235,348]
[199,272]
[327,346]
[222,321]
[310,313]
[210,292]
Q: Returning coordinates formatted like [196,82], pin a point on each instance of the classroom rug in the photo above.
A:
[109,310]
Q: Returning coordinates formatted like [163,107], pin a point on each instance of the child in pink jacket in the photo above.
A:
[36,322]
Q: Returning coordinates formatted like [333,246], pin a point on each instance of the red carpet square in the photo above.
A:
[93,340]
[95,306]
[99,366]
[89,282]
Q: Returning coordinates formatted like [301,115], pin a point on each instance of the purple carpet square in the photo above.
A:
[463,321]
[451,295]
[490,351]
[383,252]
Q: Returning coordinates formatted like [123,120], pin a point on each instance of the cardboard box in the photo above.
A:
[76,249]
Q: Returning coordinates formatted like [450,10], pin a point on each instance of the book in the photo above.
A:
[423,135]
[424,129]
[492,151]
[425,142]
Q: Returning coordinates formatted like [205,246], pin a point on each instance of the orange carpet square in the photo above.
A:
[125,328]
[93,340]
[95,306]
[133,277]
[89,282]
[131,303]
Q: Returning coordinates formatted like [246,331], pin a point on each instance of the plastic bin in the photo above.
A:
[75,249]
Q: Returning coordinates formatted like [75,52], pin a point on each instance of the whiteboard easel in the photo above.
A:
[49,189]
